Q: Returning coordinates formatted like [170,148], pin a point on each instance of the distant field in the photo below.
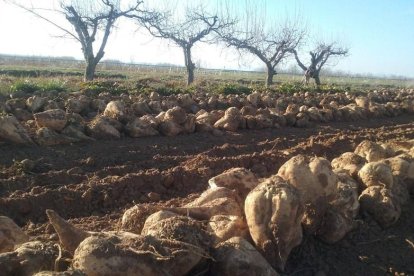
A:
[69,72]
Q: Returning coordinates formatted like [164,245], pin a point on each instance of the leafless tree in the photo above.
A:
[90,20]
[318,58]
[268,40]
[196,25]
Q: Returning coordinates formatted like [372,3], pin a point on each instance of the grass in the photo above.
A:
[31,85]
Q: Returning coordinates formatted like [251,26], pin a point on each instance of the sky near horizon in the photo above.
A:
[379,33]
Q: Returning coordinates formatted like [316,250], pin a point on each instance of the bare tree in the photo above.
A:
[319,57]
[196,25]
[91,20]
[270,41]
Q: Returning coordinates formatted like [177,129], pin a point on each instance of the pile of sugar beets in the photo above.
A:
[47,119]
[240,225]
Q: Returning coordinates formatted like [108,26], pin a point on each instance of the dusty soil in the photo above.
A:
[93,183]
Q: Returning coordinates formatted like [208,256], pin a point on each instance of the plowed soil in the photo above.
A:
[91,184]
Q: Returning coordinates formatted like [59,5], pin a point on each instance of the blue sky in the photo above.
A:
[380,35]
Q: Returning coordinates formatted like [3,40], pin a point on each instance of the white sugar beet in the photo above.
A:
[274,213]
[130,254]
[350,162]
[381,204]
[376,174]
[339,218]
[371,151]
[239,179]
[236,256]
[134,218]
[175,227]
[224,227]
[316,183]
[11,236]
[230,121]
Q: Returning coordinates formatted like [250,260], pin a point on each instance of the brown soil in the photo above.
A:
[93,183]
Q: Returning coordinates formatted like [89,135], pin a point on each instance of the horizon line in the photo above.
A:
[330,73]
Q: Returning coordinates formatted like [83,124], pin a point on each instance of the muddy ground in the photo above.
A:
[93,183]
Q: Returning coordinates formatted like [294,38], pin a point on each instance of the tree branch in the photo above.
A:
[299,62]
[32,11]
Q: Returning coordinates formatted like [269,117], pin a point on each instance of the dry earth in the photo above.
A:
[91,184]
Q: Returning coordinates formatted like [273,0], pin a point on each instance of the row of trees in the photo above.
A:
[272,45]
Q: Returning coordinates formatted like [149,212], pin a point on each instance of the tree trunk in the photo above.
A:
[270,73]
[317,79]
[189,65]
[190,79]
[90,70]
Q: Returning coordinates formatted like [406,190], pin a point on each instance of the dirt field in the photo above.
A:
[93,183]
